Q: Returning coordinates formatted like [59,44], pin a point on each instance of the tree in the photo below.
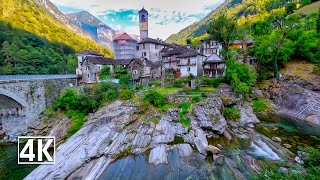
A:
[223,30]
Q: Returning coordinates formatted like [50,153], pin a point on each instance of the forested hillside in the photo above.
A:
[33,42]
[246,12]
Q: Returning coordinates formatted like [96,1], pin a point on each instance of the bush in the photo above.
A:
[124,79]
[260,105]
[204,95]
[196,99]
[105,72]
[317,69]
[179,82]
[155,98]
[190,76]
[231,113]
[155,83]
[186,89]
[240,76]
[215,82]
[126,94]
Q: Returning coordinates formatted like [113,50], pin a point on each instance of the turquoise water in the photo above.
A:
[9,168]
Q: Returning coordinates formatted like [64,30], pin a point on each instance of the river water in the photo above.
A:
[239,156]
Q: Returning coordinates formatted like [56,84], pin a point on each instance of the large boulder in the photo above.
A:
[158,155]
[298,102]
[184,150]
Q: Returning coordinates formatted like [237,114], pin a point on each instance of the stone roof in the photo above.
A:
[190,53]
[176,50]
[153,41]
[123,36]
[89,52]
[100,60]
[213,58]
[143,10]
[122,61]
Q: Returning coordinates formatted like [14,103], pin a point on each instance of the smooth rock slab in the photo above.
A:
[159,155]
[184,150]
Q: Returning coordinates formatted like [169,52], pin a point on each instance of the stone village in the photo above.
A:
[149,59]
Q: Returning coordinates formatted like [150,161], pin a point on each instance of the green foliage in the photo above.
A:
[190,76]
[155,120]
[77,121]
[126,94]
[222,30]
[183,114]
[196,99]
[179,82]
[33,42]
[105,72]
[186,89]
[120,70]
[241,76]
[232,113]
[260,105]
[155,83]
[215,82]
[155,98]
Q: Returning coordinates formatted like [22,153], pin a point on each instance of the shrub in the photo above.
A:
[105,72]
[77,121]
[126,94]
[186,89]
[124,79]
[240,76]
[155,83]
[155,98]
[110,95]
[211,81]
[204,95]
[179,82]
[120,70]
[260,105]
[196,99]
[190,76]
[317,69]
[231,113]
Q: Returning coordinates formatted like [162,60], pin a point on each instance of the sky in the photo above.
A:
[166,17]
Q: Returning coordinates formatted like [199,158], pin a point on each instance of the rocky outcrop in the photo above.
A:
[298,102]
[159,154]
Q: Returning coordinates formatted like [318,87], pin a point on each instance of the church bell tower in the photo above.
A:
[143,20]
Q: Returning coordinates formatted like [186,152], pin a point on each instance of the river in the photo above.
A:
[239,154]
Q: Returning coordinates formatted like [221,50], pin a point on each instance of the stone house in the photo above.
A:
[82,56]
[92,66]
[214,66]
[210,46]
[190,62]
[125,46]
[142,70]
[183,59]
[150,48]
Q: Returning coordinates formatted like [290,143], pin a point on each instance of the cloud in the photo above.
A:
[166,17]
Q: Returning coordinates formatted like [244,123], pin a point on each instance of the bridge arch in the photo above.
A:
[11,100]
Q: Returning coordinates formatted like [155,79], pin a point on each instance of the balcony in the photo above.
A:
[214,68]
[186,64]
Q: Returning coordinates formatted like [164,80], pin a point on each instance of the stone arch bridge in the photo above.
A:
[24,97]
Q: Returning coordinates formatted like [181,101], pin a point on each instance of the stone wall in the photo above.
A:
[36,96]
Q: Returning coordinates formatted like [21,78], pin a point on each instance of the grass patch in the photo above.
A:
[183,114]
[167,106]
[177,140]
[155,120]
[77,121]
[168,90]
[207,89]
[260,105]
[232,113]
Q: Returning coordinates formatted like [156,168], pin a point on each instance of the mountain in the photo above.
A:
[246,12]
[96,28]
[33,41]
[196,29]
[29,16]
[54,11]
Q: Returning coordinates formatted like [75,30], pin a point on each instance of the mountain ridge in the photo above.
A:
[100,32]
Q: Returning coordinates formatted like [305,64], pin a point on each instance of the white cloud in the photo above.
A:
[166,16]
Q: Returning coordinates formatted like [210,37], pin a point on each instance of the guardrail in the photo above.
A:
[37,77]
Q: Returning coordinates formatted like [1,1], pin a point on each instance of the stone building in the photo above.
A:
[214,66]
[125,46]
[150,48]
[190,62]
[82,56]
[92,66]
[182,59]
[143,23]
[210,46]
[142,70]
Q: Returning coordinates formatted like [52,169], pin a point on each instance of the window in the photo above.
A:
[88,75]
[135,71]
[189,61]
[189,68]
[156,46]
[156,54]
[144,46]
[143,18]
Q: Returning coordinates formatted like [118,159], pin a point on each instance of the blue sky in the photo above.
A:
[166,16]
